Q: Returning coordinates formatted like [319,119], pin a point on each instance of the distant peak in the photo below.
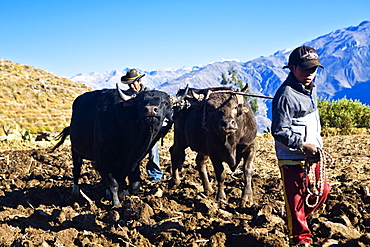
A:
[230,60]
[283,52]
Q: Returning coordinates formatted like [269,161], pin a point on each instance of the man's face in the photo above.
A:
[135,86]
[304,76]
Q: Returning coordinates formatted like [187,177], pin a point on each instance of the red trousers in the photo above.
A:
[295,192]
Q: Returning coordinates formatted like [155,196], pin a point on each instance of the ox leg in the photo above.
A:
[202,168]
[177,160]
[247,197]
[77,163]
[113,187]
[220,176]
[135,180]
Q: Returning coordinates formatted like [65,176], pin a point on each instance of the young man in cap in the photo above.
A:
[133,80]
[296,129]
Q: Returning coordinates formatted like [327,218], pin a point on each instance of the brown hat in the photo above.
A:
[131,76]
[304,56]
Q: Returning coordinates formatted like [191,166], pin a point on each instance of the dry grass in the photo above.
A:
[32,97]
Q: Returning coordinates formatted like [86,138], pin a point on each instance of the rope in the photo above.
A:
[209,92]
[245,94]
[316,186]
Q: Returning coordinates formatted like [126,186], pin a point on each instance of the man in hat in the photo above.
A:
[296,129]
[133,80]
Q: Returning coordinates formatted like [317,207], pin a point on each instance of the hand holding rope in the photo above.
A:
[315,187]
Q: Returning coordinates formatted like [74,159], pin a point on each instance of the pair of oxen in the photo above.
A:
[116,131]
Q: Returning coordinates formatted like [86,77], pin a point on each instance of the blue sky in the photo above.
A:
[67,37]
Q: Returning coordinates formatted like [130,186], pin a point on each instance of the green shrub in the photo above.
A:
[33,129]
[344,114]
[45,128]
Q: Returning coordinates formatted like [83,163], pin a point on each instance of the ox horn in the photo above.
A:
[245,88]
[201,96]
[181,97]
[196,96]
[122,95]
[240,99]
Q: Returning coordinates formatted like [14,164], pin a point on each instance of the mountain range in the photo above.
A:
[345,54]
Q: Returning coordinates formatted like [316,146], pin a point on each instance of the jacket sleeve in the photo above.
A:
[282,131]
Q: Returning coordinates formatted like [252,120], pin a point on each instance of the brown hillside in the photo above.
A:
[34,98]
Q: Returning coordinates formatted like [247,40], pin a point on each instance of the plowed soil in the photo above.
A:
[36,208]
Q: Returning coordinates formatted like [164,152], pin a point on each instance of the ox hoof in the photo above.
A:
[209,192]
[75,191]
[221,196]
[223,201]
[246,203]
[123,194]
[116,204]
[172,184]
[233,168]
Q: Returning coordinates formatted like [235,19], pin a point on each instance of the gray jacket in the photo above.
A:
[295,119]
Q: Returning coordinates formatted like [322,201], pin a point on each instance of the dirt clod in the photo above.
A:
[36,207]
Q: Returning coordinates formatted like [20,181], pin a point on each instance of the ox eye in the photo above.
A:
[239,110]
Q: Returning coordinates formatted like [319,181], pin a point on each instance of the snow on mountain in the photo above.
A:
[207,76]
[98,80]
[345,53]
[346,56]
[153,79]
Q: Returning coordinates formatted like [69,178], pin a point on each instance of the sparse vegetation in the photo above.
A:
[35,99]
[344,116]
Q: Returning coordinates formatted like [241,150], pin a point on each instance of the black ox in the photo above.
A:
[116,132]
[216,123]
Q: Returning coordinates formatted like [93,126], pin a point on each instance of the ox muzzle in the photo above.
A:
[228,125]
[151,114]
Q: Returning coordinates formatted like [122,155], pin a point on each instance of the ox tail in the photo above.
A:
[62,136]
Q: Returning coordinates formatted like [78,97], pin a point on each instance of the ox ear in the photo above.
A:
[241,104]
[121,94]
[245,109]
[242,109]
